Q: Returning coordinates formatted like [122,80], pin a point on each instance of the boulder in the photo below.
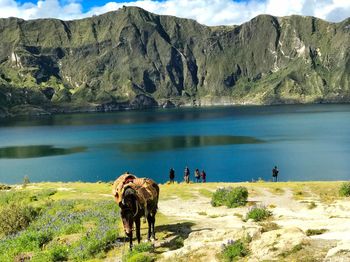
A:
[339,253]
[271,244]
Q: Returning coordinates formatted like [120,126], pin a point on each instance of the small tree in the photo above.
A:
[26,181]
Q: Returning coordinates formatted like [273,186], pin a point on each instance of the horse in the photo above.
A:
[136,197]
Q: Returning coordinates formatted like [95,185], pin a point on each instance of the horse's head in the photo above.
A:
[129,209]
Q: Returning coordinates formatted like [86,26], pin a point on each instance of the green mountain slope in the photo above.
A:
[134,59]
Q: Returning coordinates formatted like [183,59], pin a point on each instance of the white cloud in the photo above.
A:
[209,12]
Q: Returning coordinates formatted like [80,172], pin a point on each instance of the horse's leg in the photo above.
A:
[138,234]
[149,220]
[130,239]
[153,223]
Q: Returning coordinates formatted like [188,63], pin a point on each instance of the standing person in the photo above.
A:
[204,176]
[275,172]
[197,176]
[171,175]
[187,175]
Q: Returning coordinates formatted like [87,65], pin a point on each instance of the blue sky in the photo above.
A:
[209,12]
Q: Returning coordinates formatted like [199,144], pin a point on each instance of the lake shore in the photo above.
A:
[308,220]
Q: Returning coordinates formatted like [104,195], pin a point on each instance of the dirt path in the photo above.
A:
[213,227]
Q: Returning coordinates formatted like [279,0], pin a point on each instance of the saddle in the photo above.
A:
[146,189]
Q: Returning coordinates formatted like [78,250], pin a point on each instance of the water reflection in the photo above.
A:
[15,152]
[166,115]
[179,142]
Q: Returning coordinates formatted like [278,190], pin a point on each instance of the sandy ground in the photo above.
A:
[213,227]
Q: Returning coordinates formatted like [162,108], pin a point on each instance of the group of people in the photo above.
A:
[202,176]
[199,176]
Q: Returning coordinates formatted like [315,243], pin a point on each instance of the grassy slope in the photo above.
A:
[89,196]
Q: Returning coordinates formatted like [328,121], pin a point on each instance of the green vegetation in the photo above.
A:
[15,217]
[55,230]
[313,232]
[49,64]
[345,189]
[230,197]
[142,252]
[233,250]
[258,214]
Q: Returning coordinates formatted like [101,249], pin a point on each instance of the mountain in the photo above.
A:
[135,59]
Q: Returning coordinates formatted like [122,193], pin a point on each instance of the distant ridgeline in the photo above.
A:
[135,59]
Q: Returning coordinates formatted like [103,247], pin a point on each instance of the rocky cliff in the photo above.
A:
[134,59]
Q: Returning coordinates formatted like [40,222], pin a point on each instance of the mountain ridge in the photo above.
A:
[132,58]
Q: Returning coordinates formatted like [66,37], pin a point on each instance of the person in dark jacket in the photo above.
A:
[171,175]
[204,176]
[197,175]
[187,175]
[275,172]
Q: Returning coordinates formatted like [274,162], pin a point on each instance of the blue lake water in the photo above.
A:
[306,142]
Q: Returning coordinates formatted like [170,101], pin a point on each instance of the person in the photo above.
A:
[187,175]
[275,172]
[204,176]
[197,176]
[171,175]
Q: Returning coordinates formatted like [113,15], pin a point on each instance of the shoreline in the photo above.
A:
[37,111]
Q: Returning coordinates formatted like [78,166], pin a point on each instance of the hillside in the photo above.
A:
[81,222]
[135,59]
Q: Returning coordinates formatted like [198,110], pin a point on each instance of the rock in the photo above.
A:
[339,253]
[168,104]
[275,242]
[143,101]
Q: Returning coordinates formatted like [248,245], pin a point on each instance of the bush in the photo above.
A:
[15,217]
[233,250]
[258,214]
[345,189]
[59,253]
[230,197]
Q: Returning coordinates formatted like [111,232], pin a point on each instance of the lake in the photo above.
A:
[306,142]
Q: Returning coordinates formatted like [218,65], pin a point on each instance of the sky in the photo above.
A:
[208,12]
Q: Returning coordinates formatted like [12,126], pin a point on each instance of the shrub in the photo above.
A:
[59,253]
[258,214]
[230,197]
[15,217]
[233,250]
[345,189]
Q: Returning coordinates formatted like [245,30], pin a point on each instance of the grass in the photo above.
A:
[314,232]
[83,198]
[63,229]
[268,226]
